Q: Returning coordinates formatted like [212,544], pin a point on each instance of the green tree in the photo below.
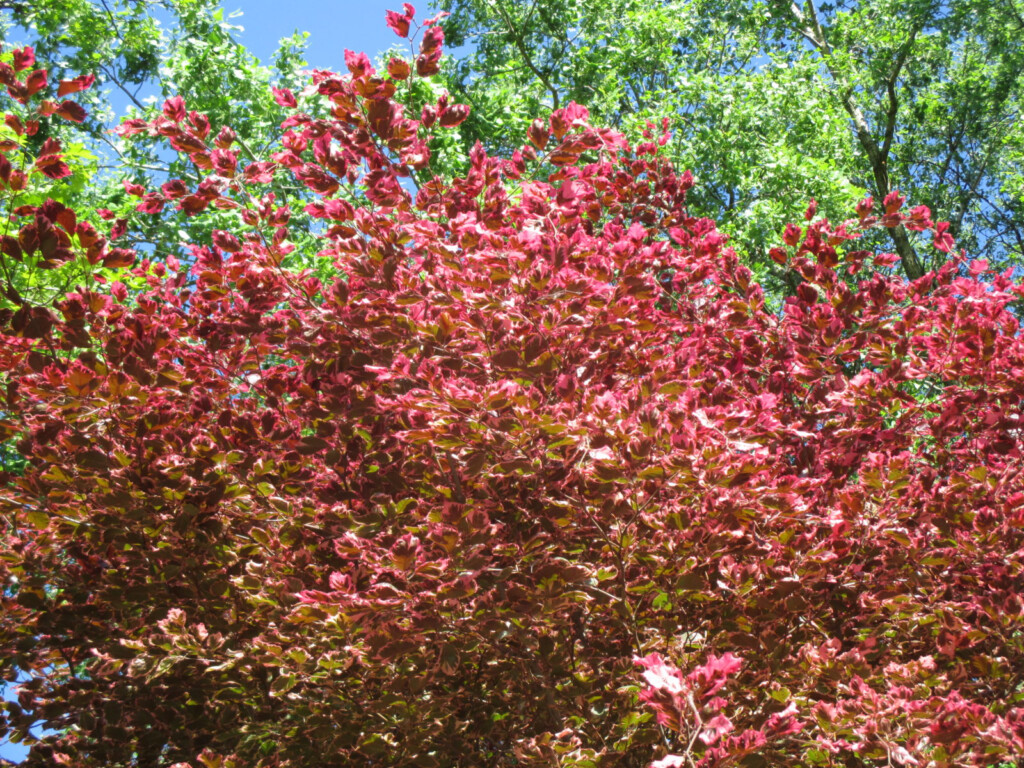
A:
[775,102]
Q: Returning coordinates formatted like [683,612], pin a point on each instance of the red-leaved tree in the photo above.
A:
[534,478]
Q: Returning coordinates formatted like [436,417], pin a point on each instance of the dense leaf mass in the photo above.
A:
[536,425]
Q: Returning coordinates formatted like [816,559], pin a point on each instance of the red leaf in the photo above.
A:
[454,115]
[285,97]
[80,83]
[865,207]
[118,258]
[316,179]
[174,189]
[50,147]
[427,64]
[131,127]
[79,380]
[174,109]
[224,162]
[72,111]
[358,64]
[14,123]
[151,203]
[52,166]
[893,202]
[432,41]
[259,173]
[977,267]
[118,229]
[398,24]
[193,204]
[23,58]
[807,293]
[715,728]
[9,246]
[428,115]
[538,134]
[35,82]
[226,241]
[943,240]
[86,233]
[17,180]
[399,69]
[225,138]
[792,234]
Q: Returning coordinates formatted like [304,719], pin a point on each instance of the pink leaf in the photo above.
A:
[715,728]
[398,24]
[23,58]
[284,97]
[943,240]
[174,109]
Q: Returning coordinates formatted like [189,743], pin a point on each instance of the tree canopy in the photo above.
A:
[775,102]
[138,62]
[514,467]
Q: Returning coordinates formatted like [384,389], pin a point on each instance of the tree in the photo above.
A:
[39,266]
[535,427]
[775,102]
[192,54]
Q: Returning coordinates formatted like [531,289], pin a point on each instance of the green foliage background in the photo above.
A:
[774,102]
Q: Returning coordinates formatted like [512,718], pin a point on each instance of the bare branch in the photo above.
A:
[113,78]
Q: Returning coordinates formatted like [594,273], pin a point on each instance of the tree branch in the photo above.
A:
[517,39]
[818,31]
[112,78]
[890,87]
[1016,14]
[877,156]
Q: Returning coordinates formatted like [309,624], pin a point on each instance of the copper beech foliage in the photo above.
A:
[534,478]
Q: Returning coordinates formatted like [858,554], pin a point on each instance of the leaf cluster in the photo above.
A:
[431,502]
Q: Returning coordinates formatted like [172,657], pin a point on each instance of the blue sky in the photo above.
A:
[334,25]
